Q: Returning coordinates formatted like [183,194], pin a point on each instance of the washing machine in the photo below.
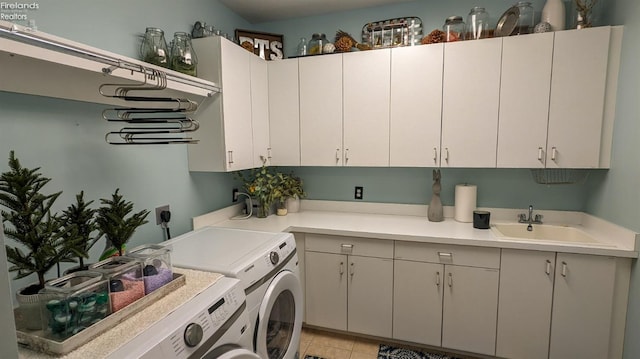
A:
[267,265]
[213,324]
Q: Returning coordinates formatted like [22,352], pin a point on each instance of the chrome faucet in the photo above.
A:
[531,219]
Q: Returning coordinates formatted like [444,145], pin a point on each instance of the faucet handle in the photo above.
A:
[522,217]
[538,218]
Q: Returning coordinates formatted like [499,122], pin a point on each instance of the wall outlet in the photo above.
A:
[159,210]
[234,193]
[359,192]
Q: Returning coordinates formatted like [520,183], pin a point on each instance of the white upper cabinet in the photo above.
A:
[576,109]
[321,110]
[366,77]
[471,95]
[524,100]
[225,132]
[416,106]
[260,110]
[284,113]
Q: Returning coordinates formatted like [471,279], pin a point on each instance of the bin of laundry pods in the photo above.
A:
[156,265]
[73,303]
[126,283]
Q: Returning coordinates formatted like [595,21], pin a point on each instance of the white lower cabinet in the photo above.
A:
[557,305]
[351,291]
[446,295]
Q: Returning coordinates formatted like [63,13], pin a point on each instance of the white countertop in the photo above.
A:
[410,223]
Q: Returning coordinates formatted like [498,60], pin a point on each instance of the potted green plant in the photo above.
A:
[41,242]
[80,222]
[114,224]
[261,184]
[291,192]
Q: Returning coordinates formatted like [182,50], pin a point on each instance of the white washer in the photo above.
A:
[267,265]
[213,324]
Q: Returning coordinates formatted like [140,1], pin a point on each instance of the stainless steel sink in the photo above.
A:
[546,232]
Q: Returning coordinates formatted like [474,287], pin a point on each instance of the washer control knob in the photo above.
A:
[193,335]
[274,257]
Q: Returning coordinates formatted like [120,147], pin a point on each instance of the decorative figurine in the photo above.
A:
[434,213]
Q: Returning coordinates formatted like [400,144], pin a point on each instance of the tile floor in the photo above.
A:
[330,345]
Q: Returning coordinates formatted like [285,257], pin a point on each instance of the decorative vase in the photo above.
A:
[293,204]
[435,212]
[583,15]
[553,13]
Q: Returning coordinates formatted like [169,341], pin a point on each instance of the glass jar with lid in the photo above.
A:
[453,29]
[183,57]
[154,47]
[477,24]
[526,20]
[316,44]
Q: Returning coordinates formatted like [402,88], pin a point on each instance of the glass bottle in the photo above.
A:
[453,29]
[315,45]
[154,47]
[477,24]
[302,47]
[526,20]
[183,57]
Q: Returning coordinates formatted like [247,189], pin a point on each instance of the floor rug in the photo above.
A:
[388,352]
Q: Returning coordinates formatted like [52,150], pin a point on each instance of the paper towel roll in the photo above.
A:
[465,202]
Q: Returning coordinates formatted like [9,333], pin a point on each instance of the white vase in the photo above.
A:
[553,12]
[293,204]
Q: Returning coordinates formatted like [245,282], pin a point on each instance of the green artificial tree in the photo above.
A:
[31,224]
[112,222]
[79,221]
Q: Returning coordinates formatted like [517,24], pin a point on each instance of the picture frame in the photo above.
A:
[266,45]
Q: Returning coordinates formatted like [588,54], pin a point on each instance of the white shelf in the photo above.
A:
[36,63]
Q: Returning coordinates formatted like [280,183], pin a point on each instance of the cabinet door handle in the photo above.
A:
[352,265]
[341,270]
[346,156]
[445,256]
[269,152]
[554,154]
[540,154]
[564,269]
[438,279]
[450,279]
[337,155]
[230,157]
[435,155]
[446,156]
[547,268]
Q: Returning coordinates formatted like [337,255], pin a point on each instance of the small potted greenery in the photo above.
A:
[291,192]
[262,185]
[112,221]
[80,221]
[41,241]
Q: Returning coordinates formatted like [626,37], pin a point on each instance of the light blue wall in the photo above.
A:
[66,138]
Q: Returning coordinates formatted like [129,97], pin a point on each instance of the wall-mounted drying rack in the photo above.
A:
[37,63]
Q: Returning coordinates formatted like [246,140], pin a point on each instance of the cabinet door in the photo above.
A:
[236,111]
[284,113]
[370,293]
[321,110]
[577,97]
[416,106]
[582,305]
[326,290]
[417,302]
[260,110]
[471,93]
[366,81]
[470,309]
[524,311]
[524,100]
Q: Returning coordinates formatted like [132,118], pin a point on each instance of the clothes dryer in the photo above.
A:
[267,265]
